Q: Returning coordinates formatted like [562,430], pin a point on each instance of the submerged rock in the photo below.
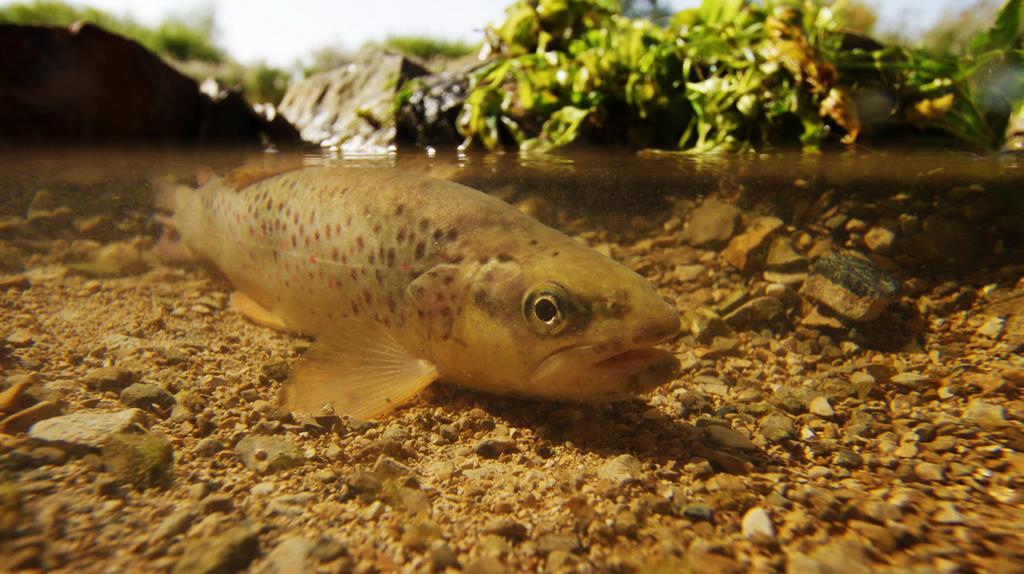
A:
[141,460]
[712,223]
[267,454]
[86,430]
[850,285]
[228,552]
[747,249]
[351,106]
[428,115]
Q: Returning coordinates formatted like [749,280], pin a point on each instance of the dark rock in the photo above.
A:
[850,285]
[428,115]
[223,554]
[493,447]
[84,84]
[756,312]
[777,427]
[216,503]
[268,454]
[507,528]
[109,379]
[351,107]
[146,396]
[712,223]
[141,460]
[698,512]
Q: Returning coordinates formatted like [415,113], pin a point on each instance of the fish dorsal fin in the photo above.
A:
[360,370]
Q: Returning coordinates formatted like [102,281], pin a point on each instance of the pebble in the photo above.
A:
[109,379]
[929,472]
[507,528]
[850,285]
[145,396]
[139,459]
[729,438]
[757,524]
[698,512]
[847,458]
[86,430]
[495,446]
[442,556]
[820,406]
[948,514]
[229,552]
[879,239]
[992,328]
[486,565]
[758,311]
[174,524]
[621,470]
[20,338]
[552,542]
[712,223]
[216,503]
[984,412]
[268,454]
[290,556]
[777,427]
[782,256]
[845,555]
[116,259]
[743,250]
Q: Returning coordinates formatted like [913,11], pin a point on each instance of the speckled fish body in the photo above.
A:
[404,279]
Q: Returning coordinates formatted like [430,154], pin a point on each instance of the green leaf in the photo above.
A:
[1003,33]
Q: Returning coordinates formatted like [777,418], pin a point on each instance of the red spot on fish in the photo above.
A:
[312,258]
[405,266]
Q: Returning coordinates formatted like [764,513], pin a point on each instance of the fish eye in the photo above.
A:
[545,309]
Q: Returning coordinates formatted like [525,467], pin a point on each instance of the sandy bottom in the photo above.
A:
[776,449]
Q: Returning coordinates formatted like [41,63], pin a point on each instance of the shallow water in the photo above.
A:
[894,443]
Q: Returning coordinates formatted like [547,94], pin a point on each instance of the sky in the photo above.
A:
[281,32]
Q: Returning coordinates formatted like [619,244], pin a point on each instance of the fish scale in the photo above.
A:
[434,275]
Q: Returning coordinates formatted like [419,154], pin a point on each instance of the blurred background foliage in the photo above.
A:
[735,75]
[726,75]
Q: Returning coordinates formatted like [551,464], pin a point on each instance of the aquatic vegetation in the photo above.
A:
[731,75]
[429,47]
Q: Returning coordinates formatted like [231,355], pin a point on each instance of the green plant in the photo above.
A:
[427,47]
[728,75]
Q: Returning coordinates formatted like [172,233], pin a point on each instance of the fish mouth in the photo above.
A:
[594,373]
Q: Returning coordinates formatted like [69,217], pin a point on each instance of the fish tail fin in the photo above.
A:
[167,201]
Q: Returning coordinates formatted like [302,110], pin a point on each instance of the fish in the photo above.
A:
[404,279]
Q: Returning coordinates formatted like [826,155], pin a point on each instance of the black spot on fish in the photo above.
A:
[399,209]
[452,235]
[391,257]
[360,243]
[483,260]
[401,236]
[505,257]
[421,249]
[554,254]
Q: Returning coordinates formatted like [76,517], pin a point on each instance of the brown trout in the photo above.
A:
[405,279]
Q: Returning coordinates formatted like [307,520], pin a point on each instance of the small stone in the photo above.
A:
[845,555]
[421,534]
[906,450]
[621,470]
[929,472]
[992,328]
[114,379]
[756,312]
[881,537]
[146,396]
[757,524]
[442,556]
[850,285]
[174,524]
[86,430]
[984,412]
[777,427]
[847,458]
[745,248]
[268,454]
[782,256]
[879,240]
[262,489]
[948,514]
[688,273]
[141,460]
[20,338]
[223,554]
[552,542]
[507,528]
[729,438]
[486,565]
[820,406]
[290,556]
[208,447]
[712,223]
[217,503]
[698,512]
[493,447]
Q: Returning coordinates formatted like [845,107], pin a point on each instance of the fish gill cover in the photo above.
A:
[732,75]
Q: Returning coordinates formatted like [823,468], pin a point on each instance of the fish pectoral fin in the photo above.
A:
[363,374]
[253,311]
